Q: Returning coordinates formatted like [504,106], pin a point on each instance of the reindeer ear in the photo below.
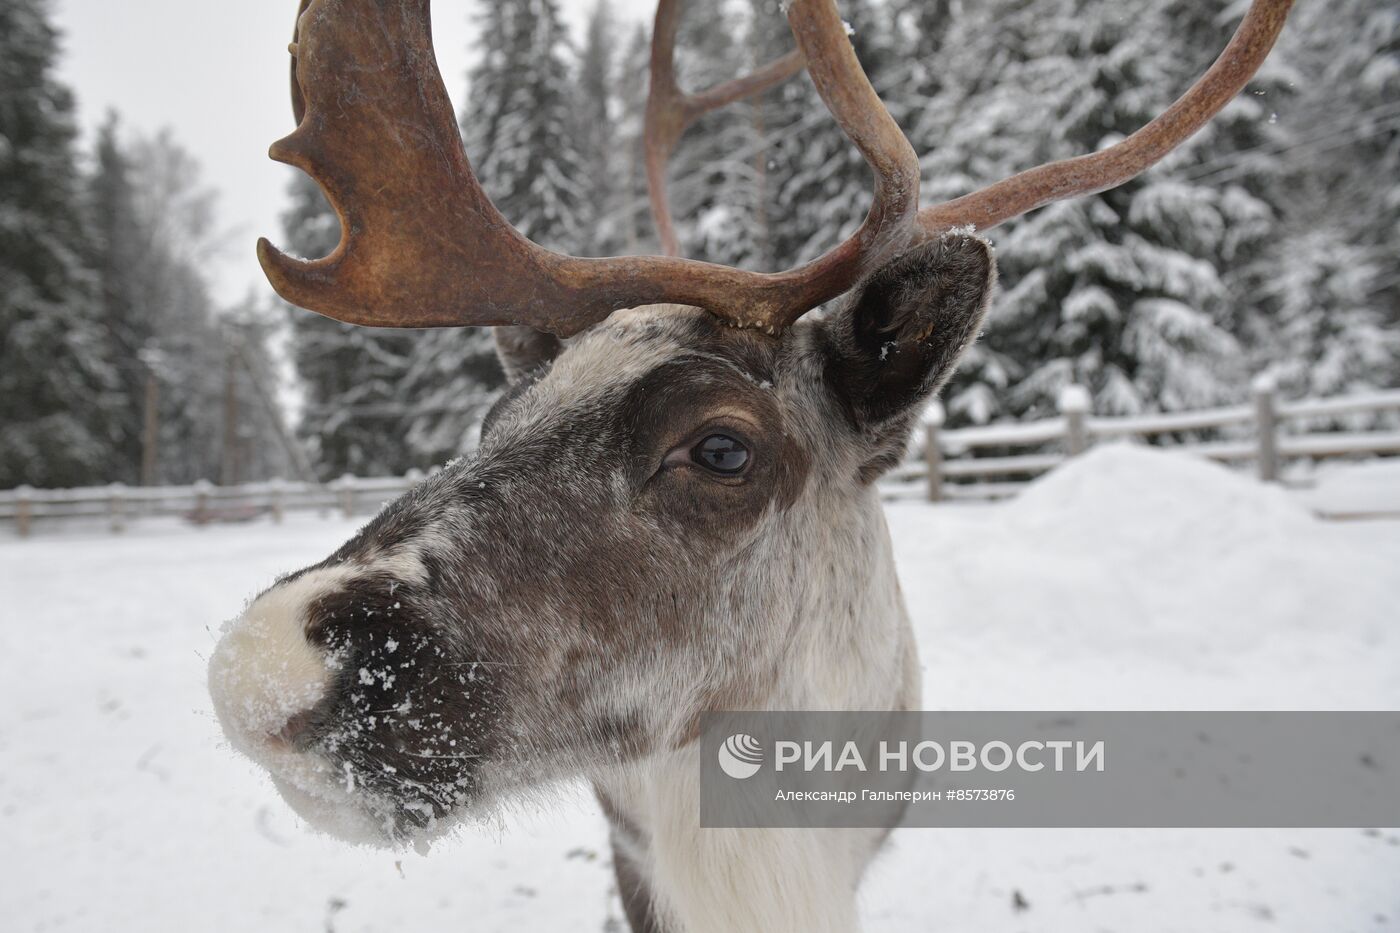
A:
[523,349]
[900,335]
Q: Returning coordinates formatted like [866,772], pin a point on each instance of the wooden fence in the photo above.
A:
[949,466]
[952,468]
[200,503]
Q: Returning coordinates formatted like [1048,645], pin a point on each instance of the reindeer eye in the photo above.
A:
[721,453]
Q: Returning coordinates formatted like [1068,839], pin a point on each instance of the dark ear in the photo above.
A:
[524,349]
[901,333]
[899,337]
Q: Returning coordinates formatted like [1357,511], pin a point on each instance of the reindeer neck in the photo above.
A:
[851,647]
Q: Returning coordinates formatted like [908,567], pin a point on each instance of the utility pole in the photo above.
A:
[295,455]
[228,467]
[150,355]
[150,432]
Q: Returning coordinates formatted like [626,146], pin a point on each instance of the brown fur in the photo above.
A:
[574,596]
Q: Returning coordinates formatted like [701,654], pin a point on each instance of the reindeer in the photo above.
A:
[672,509]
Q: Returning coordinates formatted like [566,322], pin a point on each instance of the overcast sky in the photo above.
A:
[216,73]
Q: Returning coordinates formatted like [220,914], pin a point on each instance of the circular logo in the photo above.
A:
[740,756]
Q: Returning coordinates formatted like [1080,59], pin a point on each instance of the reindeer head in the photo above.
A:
[652,513]
[661,501]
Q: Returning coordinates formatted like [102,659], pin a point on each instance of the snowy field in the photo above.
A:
[1126,580]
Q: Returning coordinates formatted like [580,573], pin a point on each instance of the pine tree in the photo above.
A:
[1265,243]
[116,258]
[549,178]
[380,401]
[451,380]
[518,127]
[1324,298]
[636,232]
[710,173]
[1126,292]
[57,380]
[600,184]
[263,447]
[521,132]
[828,191]
[1319,329]
[918,29]
[173,234]
[784,119]
[357,413]
[153,213]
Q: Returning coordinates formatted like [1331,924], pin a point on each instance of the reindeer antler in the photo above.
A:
[422,245]
[670,111]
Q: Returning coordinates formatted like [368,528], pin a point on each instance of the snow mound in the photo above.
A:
[1157,498]
[1358,488]
[1163,581]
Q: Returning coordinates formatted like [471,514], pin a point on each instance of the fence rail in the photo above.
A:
[949,467]
[200,503]
[950,457]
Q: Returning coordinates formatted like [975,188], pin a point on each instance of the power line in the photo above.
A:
[1342,141]
[1230,160]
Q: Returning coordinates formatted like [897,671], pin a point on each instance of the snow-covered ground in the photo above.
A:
[1126,580]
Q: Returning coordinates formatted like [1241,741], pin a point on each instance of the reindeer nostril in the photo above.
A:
[296,731]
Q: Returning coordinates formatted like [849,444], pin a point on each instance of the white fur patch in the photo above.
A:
[263,670]
[722,880]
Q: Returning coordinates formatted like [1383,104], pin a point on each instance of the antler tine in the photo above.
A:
[359,70]
[298,101]
[858,110]
[422,245]
[1111,167]
[670,111]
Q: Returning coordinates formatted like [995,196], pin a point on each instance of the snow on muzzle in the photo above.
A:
[345,686]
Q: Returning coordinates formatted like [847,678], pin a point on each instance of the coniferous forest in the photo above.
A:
[1265,245]
[106,316]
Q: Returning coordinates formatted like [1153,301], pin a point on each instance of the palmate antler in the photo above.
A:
[422,245]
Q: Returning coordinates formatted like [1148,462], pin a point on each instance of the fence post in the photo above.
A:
[1265,392]
[24,509]
[933,453]
[274,493]
[116,506]
[201,500]
[1074,404]
[347,495]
